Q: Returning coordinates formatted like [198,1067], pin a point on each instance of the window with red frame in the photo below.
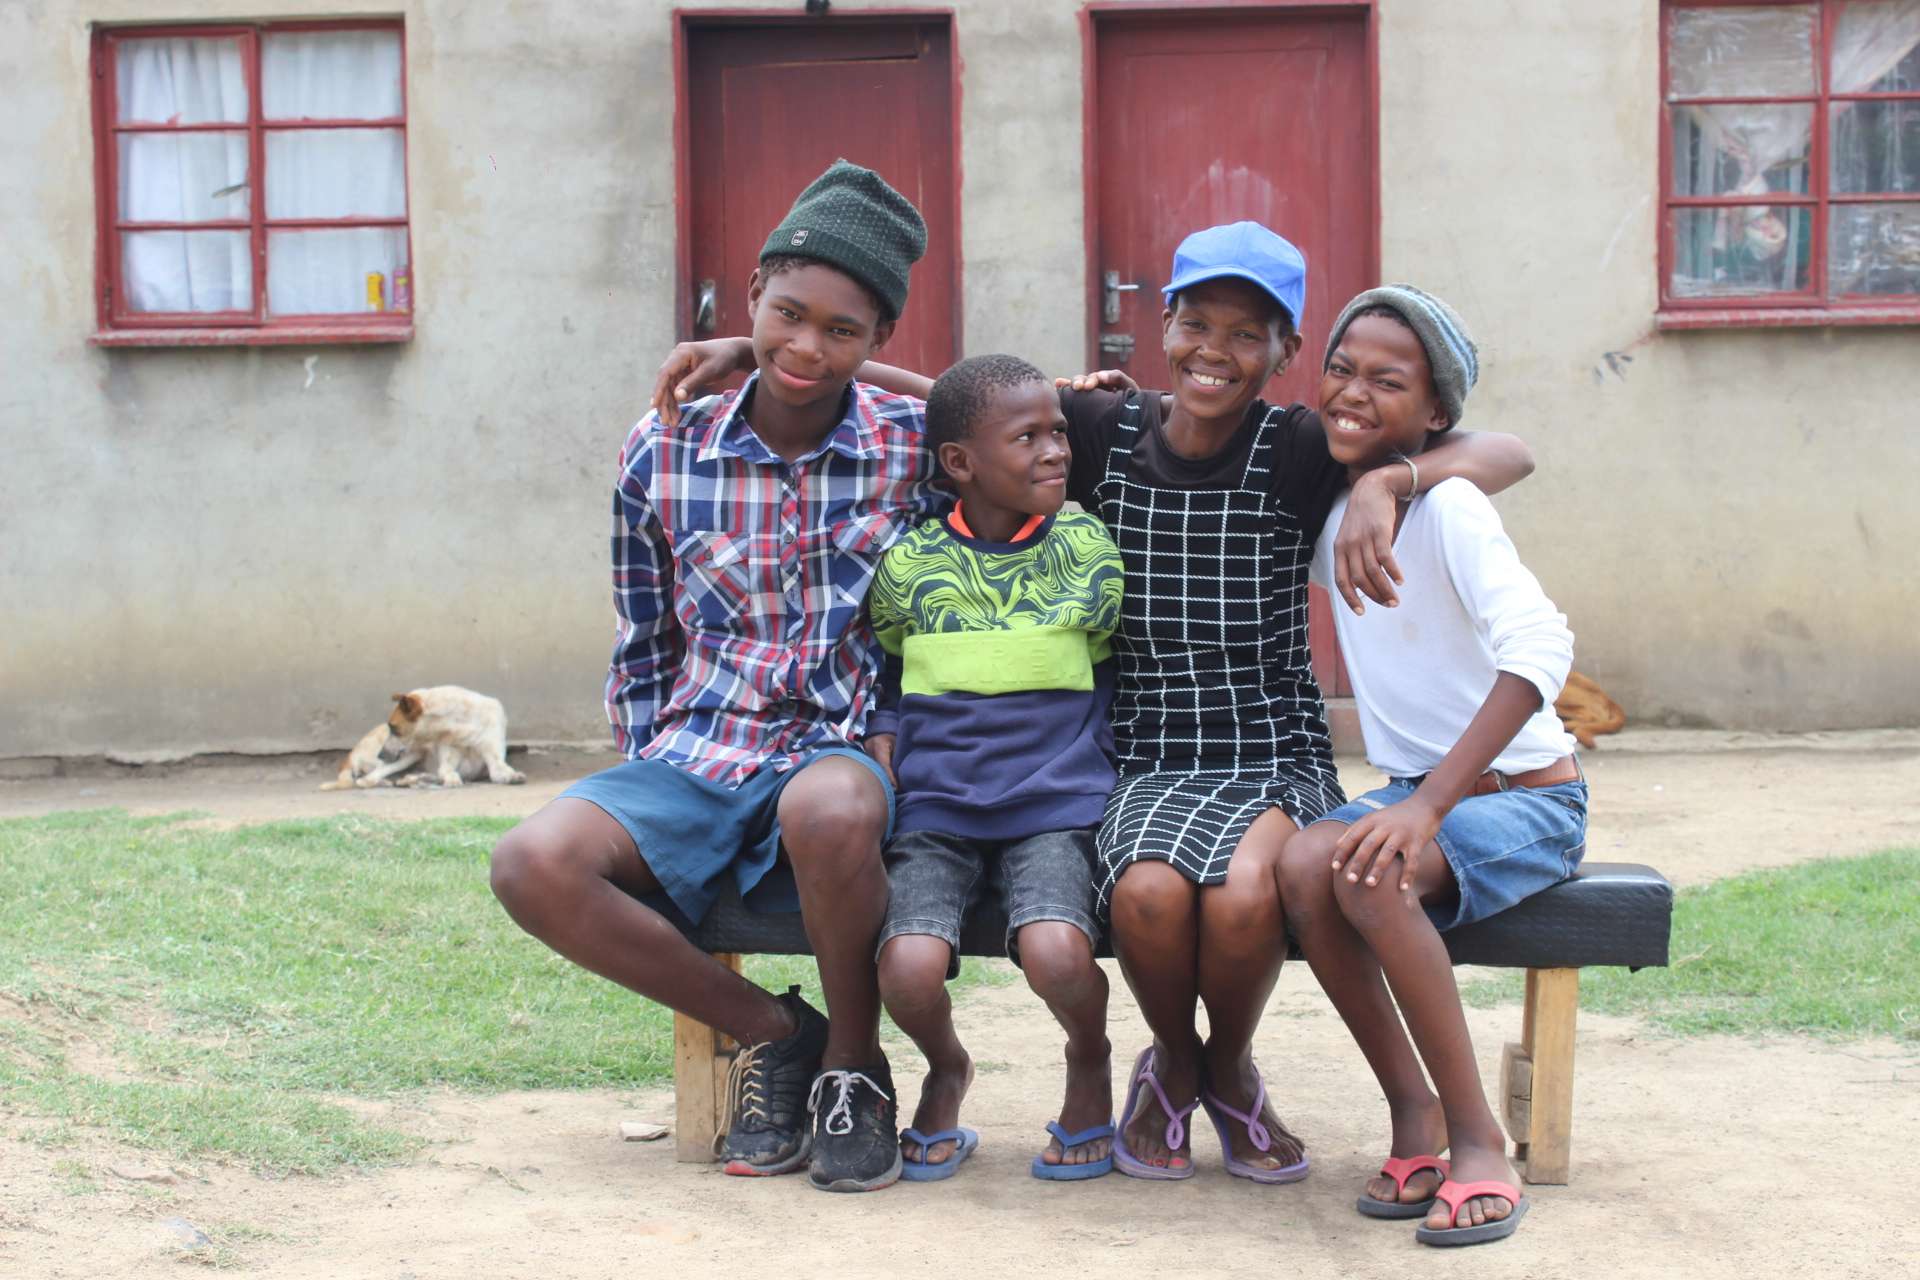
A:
[253,178]
[1791,161]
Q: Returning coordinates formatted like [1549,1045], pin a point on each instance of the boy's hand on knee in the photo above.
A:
[880,747]
[1368,848]
[693,367]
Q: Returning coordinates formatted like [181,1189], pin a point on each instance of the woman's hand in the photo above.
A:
[1369,846]
[693,367]
[1100,380]
[1363,560]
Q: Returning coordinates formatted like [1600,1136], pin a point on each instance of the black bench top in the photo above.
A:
[1611,913]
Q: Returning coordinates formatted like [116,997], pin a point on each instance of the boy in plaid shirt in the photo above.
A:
[747,527]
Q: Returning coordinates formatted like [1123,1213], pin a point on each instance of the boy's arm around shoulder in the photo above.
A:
[1363,549]
[648,644]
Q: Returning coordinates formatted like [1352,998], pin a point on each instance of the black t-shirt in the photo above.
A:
[1304,482]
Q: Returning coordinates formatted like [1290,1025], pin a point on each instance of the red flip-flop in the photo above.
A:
[1455,1194]
[1401,1168]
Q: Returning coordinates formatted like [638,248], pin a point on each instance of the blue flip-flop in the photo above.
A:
[917,1169]
[1068,1141]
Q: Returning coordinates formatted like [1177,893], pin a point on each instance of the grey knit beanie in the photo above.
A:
[1450,351]
[849,218]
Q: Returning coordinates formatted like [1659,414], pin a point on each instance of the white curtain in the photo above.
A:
[333,173]
[183,177]
[310,173]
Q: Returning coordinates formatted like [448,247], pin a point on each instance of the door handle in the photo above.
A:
[1111,289]
[703,308]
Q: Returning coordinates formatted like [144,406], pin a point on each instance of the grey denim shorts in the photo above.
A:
[935,879]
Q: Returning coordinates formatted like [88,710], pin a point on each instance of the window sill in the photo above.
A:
[1786,317]
[310,335]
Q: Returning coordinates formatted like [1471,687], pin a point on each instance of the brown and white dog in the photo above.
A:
[364,758]
[459,734]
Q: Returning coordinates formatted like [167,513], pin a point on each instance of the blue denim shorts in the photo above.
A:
[935,880]
[1502,847]
[690,831]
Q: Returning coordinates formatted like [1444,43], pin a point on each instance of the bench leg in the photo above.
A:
[1536,1077]
[701,1056]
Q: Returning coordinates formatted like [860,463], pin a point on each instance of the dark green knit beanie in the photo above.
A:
[849,218]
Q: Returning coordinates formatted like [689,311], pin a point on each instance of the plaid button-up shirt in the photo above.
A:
[739,580]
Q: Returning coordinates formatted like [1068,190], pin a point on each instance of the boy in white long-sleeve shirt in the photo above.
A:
[1485,803]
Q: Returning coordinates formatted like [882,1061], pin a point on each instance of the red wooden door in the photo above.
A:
[1202,117]
[770,104]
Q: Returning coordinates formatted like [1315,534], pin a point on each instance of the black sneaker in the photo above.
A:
[767,1126]
[856,1143]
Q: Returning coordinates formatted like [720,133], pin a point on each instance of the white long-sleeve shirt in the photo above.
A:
[1468,610]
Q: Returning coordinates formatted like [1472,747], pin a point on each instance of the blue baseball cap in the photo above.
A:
[1245,251]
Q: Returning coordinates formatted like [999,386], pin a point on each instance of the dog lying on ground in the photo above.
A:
[1586,710]
[364,758]
[456,734]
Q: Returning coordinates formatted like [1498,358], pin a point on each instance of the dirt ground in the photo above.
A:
[1709,1157]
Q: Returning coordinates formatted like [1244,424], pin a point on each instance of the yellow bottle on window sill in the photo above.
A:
[376,291]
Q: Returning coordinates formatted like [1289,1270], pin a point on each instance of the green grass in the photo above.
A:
[235,985]
[1830,948]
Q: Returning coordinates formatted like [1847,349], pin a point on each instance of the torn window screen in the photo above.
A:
[1740,149]
[1742,252]
[1876,147]
[1875,250]
[1749,51]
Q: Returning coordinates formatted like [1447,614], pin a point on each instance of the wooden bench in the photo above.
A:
[1609,913]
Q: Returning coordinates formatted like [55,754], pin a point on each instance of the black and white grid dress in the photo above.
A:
[1217,716]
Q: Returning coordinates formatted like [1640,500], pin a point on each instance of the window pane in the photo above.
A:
[1741,52]
[1876,47]
[330,75]
[336,173]
[1728,150]
[1876,249]
[183,177]
[187,270]
[1876,146]
[325,272]
[1742,251]
[196,80]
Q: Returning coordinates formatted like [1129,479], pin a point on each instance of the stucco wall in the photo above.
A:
[1726,520]
[248,549]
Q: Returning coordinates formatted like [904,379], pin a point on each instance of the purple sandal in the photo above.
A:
[1257,1133]
[1124,1160]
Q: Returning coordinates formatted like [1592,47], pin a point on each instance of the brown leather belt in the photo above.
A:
[1565,769]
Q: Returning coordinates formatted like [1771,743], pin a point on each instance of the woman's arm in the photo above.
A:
[1363,549]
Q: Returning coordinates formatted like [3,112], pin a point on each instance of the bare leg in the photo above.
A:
[1417,969]
[1243,940]
[1351,977]
[1058,961]
[913,984]
[567,875]
[1156,921]
[832,818]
